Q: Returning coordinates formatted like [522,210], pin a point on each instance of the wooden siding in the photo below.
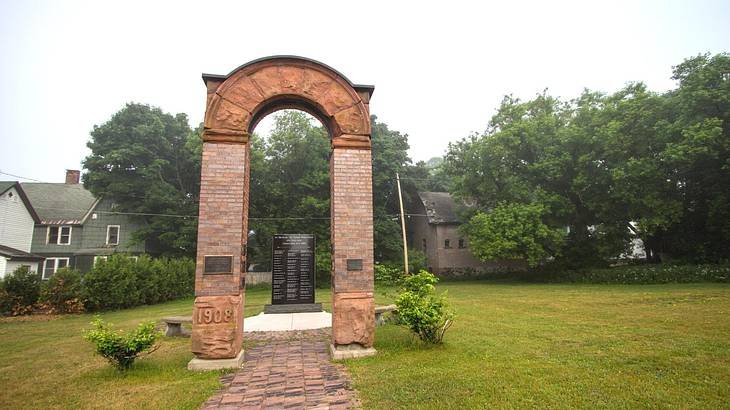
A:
[95,229]
[16,223]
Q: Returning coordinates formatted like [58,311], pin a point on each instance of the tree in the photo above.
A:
[148,162]
[610,167]
[390,156]
[513,232]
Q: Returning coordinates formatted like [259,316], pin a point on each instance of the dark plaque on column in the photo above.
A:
[292,274]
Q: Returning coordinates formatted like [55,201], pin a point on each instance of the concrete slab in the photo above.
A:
[351,351]
[216,364]
[277,322]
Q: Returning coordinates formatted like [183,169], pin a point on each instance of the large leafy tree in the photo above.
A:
[607,167]
[147,161]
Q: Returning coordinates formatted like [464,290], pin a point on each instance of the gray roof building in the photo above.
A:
[60,204]
[439,207]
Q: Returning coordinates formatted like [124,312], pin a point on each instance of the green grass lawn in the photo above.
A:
[45,363]
[561,346]
[512,346]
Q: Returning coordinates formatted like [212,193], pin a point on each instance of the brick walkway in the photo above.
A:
[289,370]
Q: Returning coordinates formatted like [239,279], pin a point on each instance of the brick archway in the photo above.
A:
[235,104]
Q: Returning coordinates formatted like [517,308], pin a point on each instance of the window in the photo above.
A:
[462,244]
[447,244]
[99,258]
[52,265]
[112,234]
[59,235]
[424,245]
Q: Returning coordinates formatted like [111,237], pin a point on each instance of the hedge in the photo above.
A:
[122,282]
[627,274]
[647,274]
[118,282]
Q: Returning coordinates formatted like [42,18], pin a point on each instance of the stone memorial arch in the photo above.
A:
[235,104]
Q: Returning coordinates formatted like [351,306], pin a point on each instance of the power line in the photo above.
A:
[18,176]
[195,216]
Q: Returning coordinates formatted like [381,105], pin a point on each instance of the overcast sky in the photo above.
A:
[439,69]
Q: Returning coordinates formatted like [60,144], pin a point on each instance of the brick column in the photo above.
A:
[353,315]
[222,234]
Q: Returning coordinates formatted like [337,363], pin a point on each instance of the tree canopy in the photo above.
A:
[607,167]
[148,162]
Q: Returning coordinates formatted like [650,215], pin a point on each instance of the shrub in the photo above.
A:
[119,348]
[62,292]
[121,282]
[112,284]
[388,274]
[6,302]
[21,291]
[421,309]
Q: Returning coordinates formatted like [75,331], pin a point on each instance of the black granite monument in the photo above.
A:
[292,274]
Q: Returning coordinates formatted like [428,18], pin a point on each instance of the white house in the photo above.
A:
[17,221]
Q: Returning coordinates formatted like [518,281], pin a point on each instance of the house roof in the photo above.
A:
[17,254]
[60,204]
[6,185]
[440,207]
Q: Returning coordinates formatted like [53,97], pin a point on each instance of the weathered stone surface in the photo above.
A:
[199,364]
[315,84]
[244,94]
[351,141]
[338,99]
[223,114]
[354,120]
[217,326]
[276,80]
[353,351]
[353,319]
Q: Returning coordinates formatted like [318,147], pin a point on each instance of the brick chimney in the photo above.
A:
[73,176]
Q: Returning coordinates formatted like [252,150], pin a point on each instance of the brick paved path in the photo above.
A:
[289,370]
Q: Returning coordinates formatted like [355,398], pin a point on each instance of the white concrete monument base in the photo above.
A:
[351,351]
[216,364]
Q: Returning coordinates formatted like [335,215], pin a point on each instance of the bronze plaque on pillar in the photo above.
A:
[217,265]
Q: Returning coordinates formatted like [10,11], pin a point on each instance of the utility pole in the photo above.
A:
[402,225]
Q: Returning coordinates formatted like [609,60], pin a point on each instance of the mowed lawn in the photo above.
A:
[45,363]
[561,346]
[511,346]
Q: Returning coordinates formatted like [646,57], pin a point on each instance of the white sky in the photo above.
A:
[439,69]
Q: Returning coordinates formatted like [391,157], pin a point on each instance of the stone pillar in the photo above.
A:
[217,333]
[353,306]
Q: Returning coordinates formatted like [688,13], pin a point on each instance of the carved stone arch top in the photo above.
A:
[237,102]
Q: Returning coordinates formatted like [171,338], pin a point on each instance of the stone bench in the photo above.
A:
[174,325]
[380,312]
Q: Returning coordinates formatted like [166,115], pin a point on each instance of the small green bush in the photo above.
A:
[62,293]
[119,348]
[21,291]
[386,274]
[421,309]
